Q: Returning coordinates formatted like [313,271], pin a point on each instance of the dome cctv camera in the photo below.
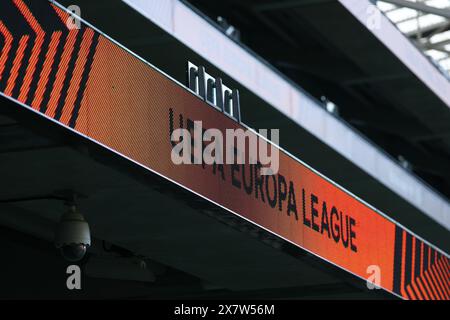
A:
[72,235]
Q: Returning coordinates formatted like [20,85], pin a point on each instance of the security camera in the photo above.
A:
[72,235]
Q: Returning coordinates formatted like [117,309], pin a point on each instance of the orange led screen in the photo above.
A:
[89,83]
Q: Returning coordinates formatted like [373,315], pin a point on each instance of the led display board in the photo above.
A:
[89,83]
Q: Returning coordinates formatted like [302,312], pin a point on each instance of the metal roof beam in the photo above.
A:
[436,45]
[431,30]
[420,7]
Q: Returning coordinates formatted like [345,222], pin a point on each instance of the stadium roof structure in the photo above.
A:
[426,23]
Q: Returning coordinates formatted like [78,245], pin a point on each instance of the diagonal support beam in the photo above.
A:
[420,7]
